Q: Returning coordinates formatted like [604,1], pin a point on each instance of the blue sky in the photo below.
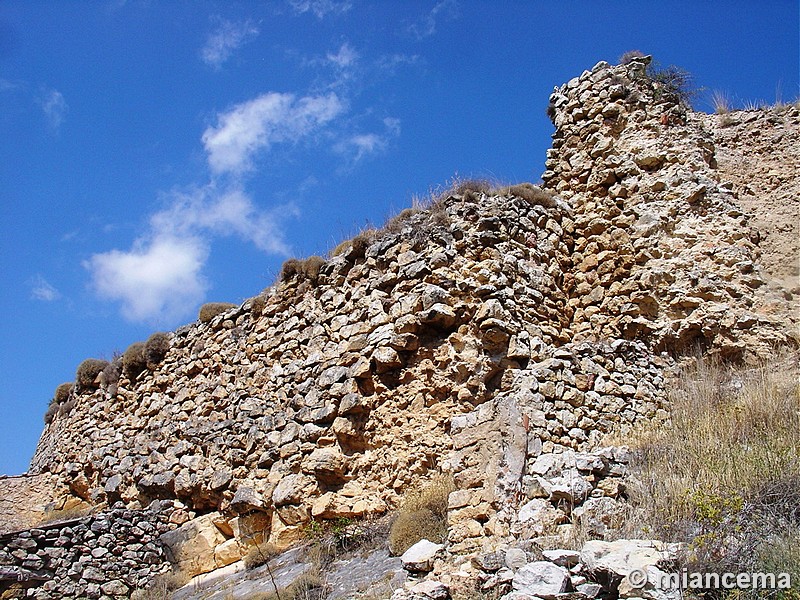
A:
[158,154]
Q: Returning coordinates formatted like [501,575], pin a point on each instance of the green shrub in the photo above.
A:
[87,373]
[156,348]
[423,515]
[133,360]
[674,83]
[209,310]
[62,392]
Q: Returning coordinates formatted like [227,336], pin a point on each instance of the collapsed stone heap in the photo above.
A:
[476,337]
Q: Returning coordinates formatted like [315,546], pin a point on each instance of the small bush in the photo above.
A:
[209,310]
[423,515]
[470,189]
[161,587]
[677,83]
[50,413]
[412,526]
[628,56]
[311,268]
[531,193]
[156,348]
[397,222]
[133,360]
[257,305]
[87,373]
[550,111]
[109,376]
[291,269]
[62,392]
[260,554]
[356,247]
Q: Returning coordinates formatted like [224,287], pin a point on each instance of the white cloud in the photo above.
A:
[203,211]
[223,42]
[426,26]
[363,144]
[321,8]
[257,124]
[344,58]
[159,278]
[41,289]
[54,107]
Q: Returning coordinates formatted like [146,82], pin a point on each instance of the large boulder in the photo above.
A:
[193,544]
[541,579]
[419,558]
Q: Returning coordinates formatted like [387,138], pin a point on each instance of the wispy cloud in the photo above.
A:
[204,211]
[223,42]
[257,124]
[43,290]
[10,86]
[161,277]
[54,107]
[344,58]
[426,25]
[358,146]
[321,8]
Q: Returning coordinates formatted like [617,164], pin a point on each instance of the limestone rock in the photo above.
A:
[419,557]
[542,579]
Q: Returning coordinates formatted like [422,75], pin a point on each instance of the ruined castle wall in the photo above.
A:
[475,337]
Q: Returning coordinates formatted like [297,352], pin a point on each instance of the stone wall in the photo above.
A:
[26,499]
[106,555]
[663,250]
[476,336]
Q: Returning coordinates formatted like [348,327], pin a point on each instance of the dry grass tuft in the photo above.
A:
[533,194]
[311,268]
[260,554]
[291,269]
[161,587]
[725,476]
[63,392]
[423,515]
[309,586]
[721,102]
